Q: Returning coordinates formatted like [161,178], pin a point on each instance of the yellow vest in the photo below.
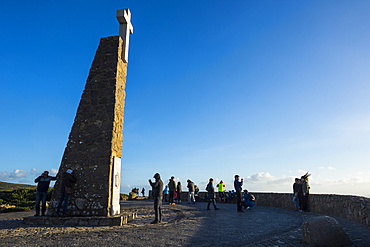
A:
[221,187]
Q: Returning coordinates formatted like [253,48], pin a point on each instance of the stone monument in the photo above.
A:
[94,147]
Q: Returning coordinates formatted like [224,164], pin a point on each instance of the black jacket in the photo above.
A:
[43,183]
[157,187]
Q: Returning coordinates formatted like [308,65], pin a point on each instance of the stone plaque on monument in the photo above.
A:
[94,147]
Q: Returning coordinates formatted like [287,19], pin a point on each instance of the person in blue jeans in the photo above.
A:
[43,183]
[66,190]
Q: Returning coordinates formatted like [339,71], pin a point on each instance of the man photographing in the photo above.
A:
[42,190]
[238,188]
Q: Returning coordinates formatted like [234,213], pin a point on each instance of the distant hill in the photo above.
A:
[11,186]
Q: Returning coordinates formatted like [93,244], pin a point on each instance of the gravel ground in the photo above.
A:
[184,225]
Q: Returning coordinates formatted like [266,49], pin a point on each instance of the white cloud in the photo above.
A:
[18,174]
[261,176]
[53,172]
[4,175]
[125,187]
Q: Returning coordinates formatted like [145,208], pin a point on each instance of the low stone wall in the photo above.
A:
[354,208]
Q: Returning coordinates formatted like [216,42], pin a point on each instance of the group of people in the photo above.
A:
[66,189]
[301,192]
[245,199]
[172,191]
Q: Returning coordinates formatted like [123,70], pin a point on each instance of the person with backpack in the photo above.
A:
[211,194]
[191,188]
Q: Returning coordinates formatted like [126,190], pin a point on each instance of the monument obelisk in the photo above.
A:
[94,147]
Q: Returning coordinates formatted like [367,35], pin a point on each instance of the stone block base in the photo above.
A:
[80,221]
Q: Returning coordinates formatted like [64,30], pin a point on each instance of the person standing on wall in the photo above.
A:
[43,183]
[157,191]
[238,188]
[172,189]
[66,190]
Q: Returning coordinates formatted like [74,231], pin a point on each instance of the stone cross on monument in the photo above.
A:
[94,147]
[125,29]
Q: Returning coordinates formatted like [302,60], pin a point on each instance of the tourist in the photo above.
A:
[143,192]
[157,191]
[179,190]
[248,200]
[166,192]
[221,190]
[305,192]
[43,183]
[191,198]
[238,191]
[296,189]
[172,189]
[211,195]
[66,190]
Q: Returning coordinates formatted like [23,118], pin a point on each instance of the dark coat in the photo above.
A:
[211,190]
[43,183]
[157,187]
[68,181]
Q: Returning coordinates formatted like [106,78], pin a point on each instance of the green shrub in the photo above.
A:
[20,196]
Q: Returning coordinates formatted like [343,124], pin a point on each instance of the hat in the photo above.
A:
[69,171]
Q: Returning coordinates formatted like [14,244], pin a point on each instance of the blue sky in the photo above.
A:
[264,89]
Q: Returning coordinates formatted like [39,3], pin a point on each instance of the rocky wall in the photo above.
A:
[354,208]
